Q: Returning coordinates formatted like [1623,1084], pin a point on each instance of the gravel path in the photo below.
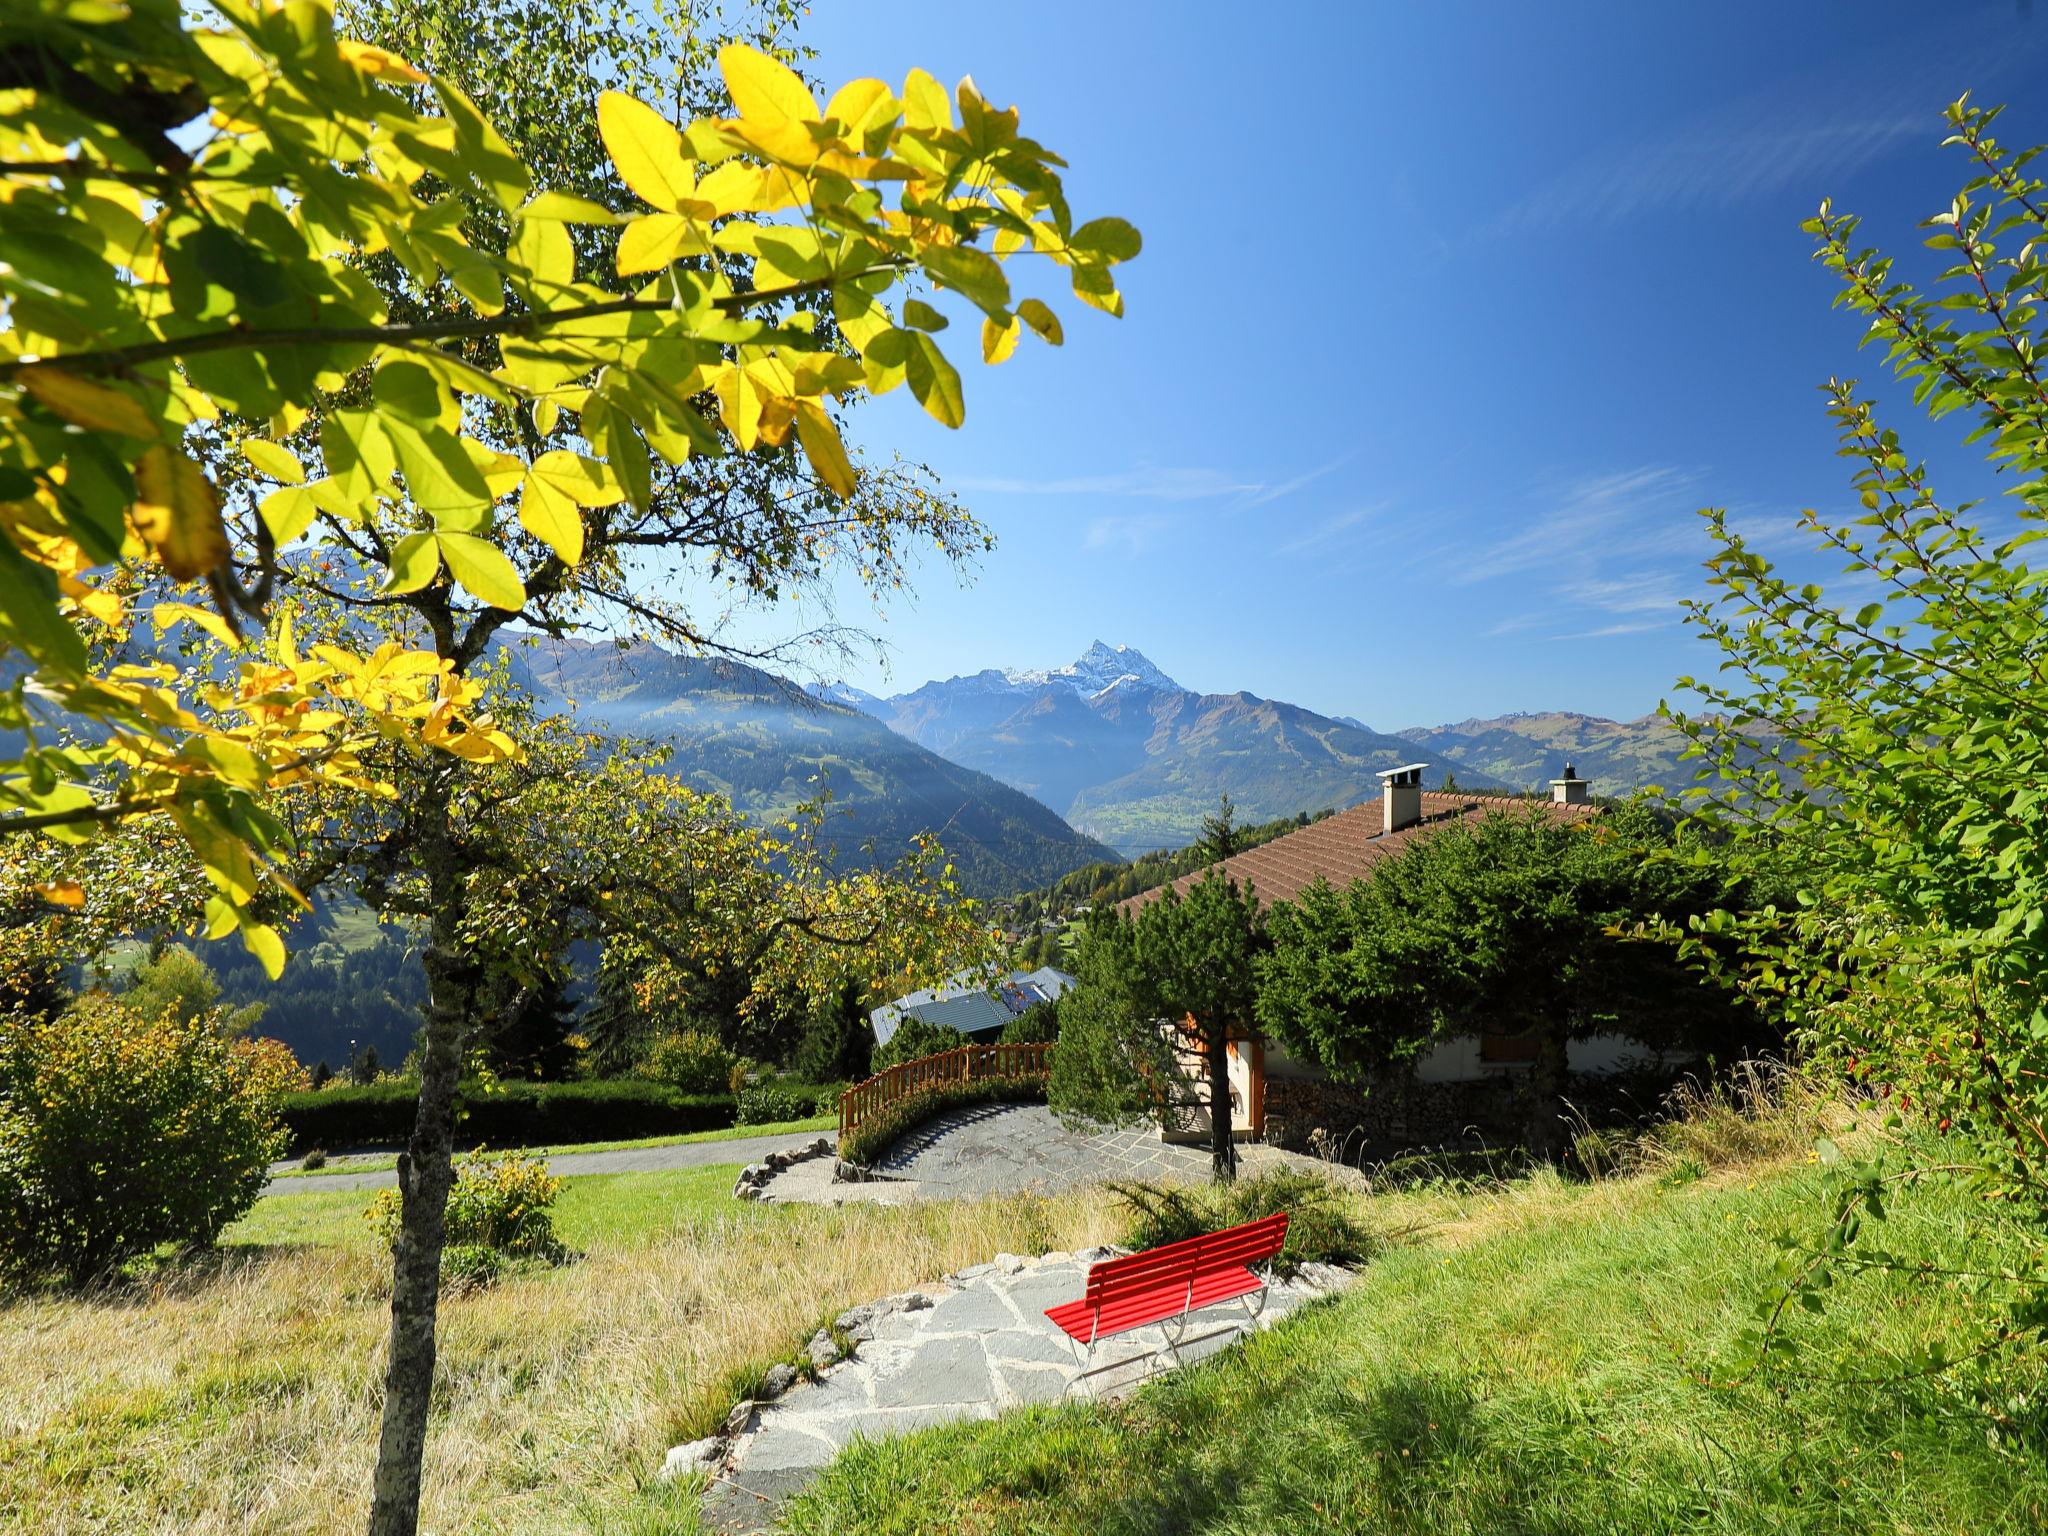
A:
[695,1154]
[969,1348]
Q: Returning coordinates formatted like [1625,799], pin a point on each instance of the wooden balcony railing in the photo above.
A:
[963,1064]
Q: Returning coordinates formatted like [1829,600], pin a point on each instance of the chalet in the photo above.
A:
[1463,1082]
[975,1003]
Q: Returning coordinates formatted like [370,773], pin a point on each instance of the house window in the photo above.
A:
[1506,1050]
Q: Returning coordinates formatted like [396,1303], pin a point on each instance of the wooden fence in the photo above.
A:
[963,1064]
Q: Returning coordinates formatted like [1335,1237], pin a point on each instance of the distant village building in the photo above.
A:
[1468,1081]
[973,1002]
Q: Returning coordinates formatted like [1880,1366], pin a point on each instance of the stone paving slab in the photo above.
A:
[968,1349]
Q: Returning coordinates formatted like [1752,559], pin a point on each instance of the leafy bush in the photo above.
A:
[501,1209]
[118,1133]
[689,1060]
[908,1113]
[1321,1229]
[914,1040]
[509,1115]
[764,1103]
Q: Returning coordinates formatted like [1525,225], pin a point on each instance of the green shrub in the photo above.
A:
[118,1133]
[690,1061]
[501,1209]
[908,1113]
[914,1040]
[508,1115]
[1320,1228]
[765,1103]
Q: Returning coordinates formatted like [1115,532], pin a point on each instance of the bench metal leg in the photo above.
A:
[1176,1340]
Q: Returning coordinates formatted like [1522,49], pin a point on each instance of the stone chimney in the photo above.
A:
[1571,789]
[1400,797]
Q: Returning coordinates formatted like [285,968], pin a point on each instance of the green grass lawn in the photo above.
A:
[609,1208]
[384,1163]
[1535,1369]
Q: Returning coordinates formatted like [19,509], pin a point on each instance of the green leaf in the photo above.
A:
[28,609]
[415,561]
[1111,239]
[481,569]
[440,479]
[966,270]
[920,314]
[288,512]
[1034,313]
[934,380]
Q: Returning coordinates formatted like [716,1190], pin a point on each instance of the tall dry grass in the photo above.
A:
[243,1398]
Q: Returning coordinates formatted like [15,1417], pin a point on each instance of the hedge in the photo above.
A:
[767,1103]
[509,1115]
[913,1110]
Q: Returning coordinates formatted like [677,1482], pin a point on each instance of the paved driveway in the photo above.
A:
[694,1154]
[993,1149]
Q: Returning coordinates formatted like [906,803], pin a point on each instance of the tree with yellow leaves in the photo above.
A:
[253,338]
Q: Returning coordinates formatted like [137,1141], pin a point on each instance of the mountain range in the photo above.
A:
[1129,756]
[768,745]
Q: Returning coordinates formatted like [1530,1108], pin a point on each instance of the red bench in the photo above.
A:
[1170,1283]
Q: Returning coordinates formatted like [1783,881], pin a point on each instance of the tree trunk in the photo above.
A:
[426,1172]
[1222,1148]
[1548,1081]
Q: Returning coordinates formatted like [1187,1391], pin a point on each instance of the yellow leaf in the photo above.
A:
[164,615]
[278,463]
[378,63]
[646,148]
[820,439]
[853,101]
[261,940]
[654,240]
[999,341]
[584,481]
[62,893]
[481,569]
[96,407]
[763,87]
[925,102]
[178,514]
[551,517]
[544,248]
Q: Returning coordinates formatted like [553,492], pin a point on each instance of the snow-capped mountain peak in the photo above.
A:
[1098,669]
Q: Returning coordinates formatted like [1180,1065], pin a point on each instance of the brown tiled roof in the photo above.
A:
[1345,847]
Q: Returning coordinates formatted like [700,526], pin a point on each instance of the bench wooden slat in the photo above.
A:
[1149,1287]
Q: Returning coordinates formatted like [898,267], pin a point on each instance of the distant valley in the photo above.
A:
[768,745]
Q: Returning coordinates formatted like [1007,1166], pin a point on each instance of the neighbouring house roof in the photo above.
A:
[972,1002]
[1345,847]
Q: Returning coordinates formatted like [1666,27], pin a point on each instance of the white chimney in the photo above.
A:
[1569,790]
[1400,797]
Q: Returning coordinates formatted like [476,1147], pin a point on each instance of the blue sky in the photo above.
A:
[1449,318]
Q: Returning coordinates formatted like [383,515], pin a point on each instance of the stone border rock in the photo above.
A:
[856,1324]
[754,1177]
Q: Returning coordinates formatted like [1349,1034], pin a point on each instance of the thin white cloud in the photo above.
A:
[1716,162]
[1630,513]
[1134,535]
[1289,487]
[1607,631]
[1331,529]
[1153,483]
